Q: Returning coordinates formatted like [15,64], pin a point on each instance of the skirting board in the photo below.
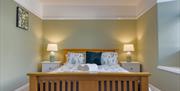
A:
[153,88]
[26,88]
[23,88]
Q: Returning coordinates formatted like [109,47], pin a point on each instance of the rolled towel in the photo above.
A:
[88,67]
[92,67]
[83,67]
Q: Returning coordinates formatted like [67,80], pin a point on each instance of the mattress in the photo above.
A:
[101,68]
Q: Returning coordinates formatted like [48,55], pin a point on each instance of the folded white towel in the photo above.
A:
[83,67]
[88,67]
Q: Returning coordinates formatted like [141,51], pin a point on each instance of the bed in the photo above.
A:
[101,68]
[109,78]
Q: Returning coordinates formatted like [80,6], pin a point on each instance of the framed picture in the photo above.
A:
[22,18]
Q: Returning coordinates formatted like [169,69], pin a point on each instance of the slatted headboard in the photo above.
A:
[87,50]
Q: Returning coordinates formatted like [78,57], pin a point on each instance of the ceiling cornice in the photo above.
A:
[89,18]
[144,6]
[89,12]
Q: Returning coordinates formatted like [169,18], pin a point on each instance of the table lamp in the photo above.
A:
[52,48]
[128,48]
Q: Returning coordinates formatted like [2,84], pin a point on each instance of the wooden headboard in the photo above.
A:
[85,50]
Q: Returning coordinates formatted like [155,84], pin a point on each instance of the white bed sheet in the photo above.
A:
[101,68]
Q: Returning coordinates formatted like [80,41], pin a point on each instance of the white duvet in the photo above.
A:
[101,68]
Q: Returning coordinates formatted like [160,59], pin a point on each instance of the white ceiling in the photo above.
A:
[87,9]
[91,2]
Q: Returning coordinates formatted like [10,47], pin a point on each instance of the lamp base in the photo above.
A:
[129,59]
[51,58]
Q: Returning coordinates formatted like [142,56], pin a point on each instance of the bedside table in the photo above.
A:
[48,66]
[131,66]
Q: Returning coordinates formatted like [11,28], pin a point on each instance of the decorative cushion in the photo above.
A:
[109,58]
[76,58]
[93,57]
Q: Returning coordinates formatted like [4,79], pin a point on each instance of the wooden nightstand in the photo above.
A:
[48,66]
[131,66]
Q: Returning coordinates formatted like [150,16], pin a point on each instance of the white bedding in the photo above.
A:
[101,68]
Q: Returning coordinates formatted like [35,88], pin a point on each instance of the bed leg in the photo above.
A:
[144,84]
[33,83]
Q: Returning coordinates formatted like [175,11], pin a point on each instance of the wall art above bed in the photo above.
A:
[22,18]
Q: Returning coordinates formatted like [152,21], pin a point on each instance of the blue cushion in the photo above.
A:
[93,57]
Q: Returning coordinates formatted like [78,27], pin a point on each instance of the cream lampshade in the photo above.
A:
[128,48]
[52,48]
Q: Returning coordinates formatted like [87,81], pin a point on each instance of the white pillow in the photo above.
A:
[75,58]
[109,58]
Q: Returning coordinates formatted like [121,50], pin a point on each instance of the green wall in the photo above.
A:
[20,49]
[104,34]
[169,33]
[1,17]
[147,42]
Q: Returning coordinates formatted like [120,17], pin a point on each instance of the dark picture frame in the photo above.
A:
[22,18]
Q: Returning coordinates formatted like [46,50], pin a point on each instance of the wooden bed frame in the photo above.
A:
[84,81]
